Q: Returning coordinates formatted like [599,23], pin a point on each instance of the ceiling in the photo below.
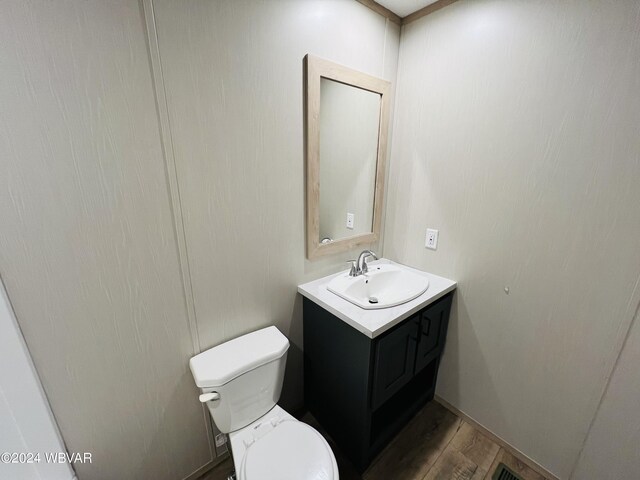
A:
[402,8]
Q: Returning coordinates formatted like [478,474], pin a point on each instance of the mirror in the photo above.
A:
[346,126]
[349,118]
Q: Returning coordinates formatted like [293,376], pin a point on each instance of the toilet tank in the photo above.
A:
[246,372]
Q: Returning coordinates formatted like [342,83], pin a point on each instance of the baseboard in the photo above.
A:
[512,450]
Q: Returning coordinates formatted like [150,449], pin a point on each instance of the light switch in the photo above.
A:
[350,219]
[431,239]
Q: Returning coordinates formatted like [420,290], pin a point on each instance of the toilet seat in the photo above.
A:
[290,450]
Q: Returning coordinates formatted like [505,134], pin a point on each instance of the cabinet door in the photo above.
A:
[433,328]
[395,355]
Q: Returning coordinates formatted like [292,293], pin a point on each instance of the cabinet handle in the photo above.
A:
[428,329]
[415,336]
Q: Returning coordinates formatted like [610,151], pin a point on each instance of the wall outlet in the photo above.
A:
[350,220]
[221,439]
[431,239]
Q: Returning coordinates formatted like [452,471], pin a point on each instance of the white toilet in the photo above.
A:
[241,381]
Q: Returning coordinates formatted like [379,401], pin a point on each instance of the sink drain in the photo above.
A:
[373,299]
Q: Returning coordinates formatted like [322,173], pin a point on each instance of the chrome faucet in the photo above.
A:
[359,267]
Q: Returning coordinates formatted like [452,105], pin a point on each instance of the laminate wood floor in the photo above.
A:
[435,445]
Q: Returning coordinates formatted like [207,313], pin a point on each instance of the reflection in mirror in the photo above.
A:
[349,122]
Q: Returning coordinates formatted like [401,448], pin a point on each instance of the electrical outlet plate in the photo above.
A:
[431,239]
[350,220]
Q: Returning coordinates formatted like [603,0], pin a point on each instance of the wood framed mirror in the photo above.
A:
[347,120]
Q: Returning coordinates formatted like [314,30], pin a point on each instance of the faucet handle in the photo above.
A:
[362,261]
[354,268]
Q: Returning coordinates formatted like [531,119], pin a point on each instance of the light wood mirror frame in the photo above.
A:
[315,69]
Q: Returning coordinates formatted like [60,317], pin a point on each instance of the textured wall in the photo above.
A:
[87,247]
[26,422]
[516,135]
[611,451]
[233,76]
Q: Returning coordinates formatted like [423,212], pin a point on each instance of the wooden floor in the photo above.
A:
[435,445]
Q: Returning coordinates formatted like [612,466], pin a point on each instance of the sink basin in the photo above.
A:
[384,286]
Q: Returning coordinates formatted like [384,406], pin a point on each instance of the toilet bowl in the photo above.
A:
[241,381]
[279,447]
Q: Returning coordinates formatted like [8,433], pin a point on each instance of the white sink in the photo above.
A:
[385,285]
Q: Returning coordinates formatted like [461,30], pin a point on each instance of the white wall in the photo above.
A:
[87,245]
[26,422]
[611,451]
[517,137]
[233,74]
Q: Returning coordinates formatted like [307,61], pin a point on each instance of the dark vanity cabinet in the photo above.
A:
[364,390]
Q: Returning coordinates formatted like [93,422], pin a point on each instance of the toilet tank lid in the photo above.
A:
[223,363]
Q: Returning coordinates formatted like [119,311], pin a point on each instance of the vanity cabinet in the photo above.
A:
[364,390]
[433,322]
[394,359]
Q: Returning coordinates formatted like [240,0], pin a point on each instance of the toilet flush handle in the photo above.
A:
[207,397]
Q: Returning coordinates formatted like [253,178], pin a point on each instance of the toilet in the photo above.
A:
[241,381]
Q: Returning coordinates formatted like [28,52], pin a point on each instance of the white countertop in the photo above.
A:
[374,322]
